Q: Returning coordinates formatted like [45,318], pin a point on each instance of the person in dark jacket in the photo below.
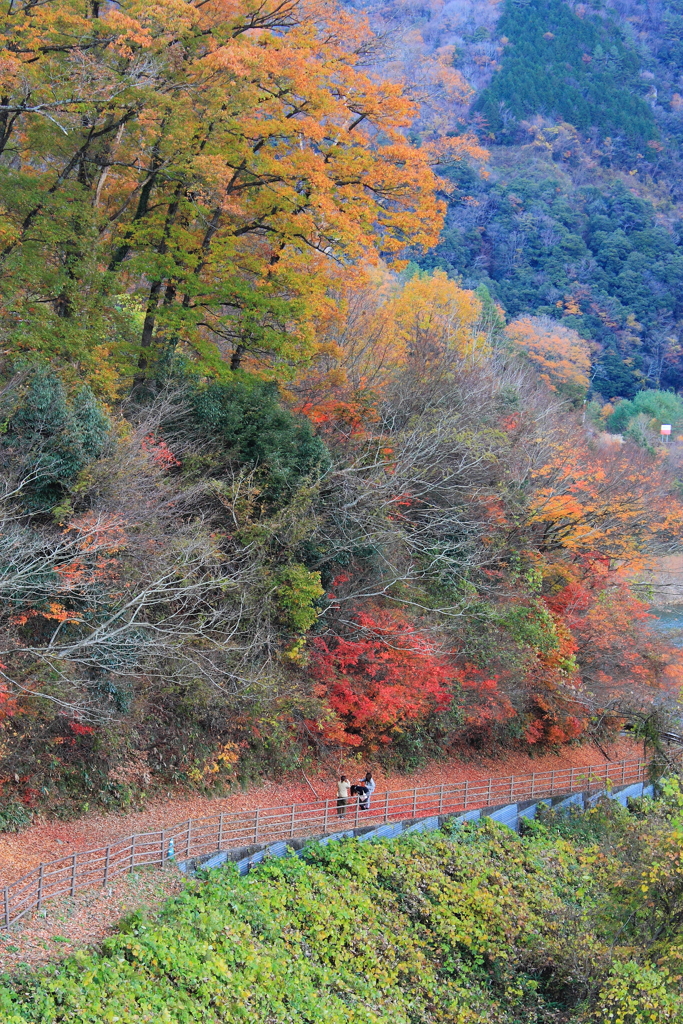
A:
[361,791]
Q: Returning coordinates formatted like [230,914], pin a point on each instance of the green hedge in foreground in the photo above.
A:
[579,920]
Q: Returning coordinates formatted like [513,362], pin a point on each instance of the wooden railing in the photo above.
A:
[200,836]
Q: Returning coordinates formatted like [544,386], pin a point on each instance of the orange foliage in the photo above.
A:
[609,626]
[376,328]
[98,532]
[485,704]
[54,612]
[8,703]
[560,354]
[261,146]
[613,502]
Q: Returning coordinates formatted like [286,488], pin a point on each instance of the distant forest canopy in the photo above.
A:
[567,67]
[593,257]
[580,217]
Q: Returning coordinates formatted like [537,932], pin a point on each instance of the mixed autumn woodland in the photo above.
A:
[273,485]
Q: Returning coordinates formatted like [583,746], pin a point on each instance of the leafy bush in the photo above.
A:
[635,994]
[14,817]
[255,430]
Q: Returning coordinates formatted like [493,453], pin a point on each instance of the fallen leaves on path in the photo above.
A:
[71,922]
[67,922]
[47,841]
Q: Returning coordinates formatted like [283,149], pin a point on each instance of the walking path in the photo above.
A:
[71,922]
[46,841]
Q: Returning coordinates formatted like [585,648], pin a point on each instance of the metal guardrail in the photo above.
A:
[200,836]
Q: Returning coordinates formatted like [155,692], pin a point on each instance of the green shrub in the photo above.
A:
[53,439]
[472,925]
[256,431]
[14,817]
[658,406]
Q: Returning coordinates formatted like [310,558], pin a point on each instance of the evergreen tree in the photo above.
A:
[51,440]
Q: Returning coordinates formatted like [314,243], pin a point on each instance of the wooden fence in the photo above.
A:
[200,836]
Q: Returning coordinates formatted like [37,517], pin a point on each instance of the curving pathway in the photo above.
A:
[45,841]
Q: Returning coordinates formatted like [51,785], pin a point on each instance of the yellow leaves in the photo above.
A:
[433,315]
[377,326]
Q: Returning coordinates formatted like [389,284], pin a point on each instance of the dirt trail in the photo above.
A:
[45,841]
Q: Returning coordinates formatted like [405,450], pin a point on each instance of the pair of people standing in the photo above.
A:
[363,789]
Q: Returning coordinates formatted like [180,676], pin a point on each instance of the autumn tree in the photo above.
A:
[608,500]
[379,326]
[384,674]
[436,320]
[214,157]
[559,354]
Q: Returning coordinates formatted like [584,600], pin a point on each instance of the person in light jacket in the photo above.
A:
[343,789]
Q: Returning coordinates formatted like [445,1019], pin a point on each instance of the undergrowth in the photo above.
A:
[577,920]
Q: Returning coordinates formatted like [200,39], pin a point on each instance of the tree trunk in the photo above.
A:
[148,331]
[236,360]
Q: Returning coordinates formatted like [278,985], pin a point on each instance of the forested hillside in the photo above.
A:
[302,444]
[580,216]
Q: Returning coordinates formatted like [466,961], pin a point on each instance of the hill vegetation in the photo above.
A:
[568,66]
[271,492]
[580,216]
[578,921]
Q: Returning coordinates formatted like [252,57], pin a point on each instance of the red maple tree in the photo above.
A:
[387,674]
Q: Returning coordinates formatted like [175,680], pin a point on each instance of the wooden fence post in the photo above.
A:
[220,831]
[189,837]
[106,866]
[386,806]
[163,847]
[466,784]
[40,885]
[132,853]
[441,799]
[73,874]
[6,907]
[327,809]
[552,783]
[291,827]
[571,781]
[489,798]
[256,826]
[512,786]
[623,771]
[415,803]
